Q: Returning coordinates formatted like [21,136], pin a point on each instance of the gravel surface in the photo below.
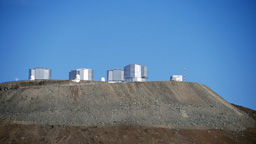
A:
[90,103]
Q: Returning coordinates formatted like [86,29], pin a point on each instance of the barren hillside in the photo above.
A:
[168,109]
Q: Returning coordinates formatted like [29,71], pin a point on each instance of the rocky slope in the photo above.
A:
[97,112]
[159,104]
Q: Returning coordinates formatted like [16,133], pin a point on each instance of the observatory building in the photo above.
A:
[39,73]
[135,72]
[84,74]
[176,78]
[116,75]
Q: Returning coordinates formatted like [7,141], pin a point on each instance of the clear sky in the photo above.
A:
[215,40]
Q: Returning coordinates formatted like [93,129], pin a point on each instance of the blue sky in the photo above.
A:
[214,40]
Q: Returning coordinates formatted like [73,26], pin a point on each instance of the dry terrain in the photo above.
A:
[97,112]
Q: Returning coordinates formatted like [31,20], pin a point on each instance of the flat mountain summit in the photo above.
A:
[88,105]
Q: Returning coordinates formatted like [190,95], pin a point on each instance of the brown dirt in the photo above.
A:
[126,134]
[17,133]
[182,96]
[250,112]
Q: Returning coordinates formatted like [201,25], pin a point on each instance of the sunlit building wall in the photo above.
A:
[135,72]
[116,75]
[176,78]
[40,73]
[85,74]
